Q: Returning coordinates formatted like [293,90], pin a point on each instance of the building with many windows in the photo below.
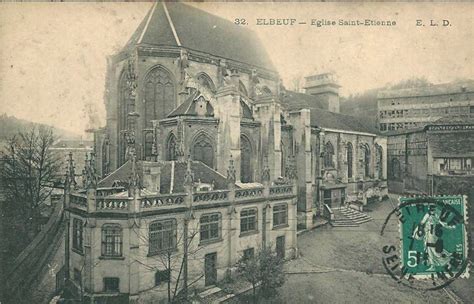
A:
[436,159]
[151,227]
[416,107]
[202,142]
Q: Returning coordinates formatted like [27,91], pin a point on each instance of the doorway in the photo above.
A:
[210,268]
[280,246]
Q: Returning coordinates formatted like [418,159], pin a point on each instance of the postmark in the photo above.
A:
[433,245]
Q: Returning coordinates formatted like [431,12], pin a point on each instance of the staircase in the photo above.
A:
[348,217]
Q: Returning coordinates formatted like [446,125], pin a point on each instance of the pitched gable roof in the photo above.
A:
[292,100]
[326,119]
[188,107]
[201,173]
[178,24]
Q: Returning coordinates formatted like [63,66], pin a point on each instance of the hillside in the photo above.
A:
[10,125]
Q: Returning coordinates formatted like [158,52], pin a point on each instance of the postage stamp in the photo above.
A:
[432,250]
[433,236]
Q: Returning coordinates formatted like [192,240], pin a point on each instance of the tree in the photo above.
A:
[266,268]
[29,171]
[172,263]
[415,82]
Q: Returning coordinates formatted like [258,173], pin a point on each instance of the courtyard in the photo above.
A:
[344,265]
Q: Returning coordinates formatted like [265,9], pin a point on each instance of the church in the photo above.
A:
[205,151]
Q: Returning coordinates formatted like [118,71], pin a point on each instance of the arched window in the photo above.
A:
[159,95]
[284,155]
[111,240]
[206,81]
[122,149]
[148,145]
[365,160]
[123,103]
[203,150]
[124,107]
[246,174]
[395,169]
[171,148]
[328,155]
[105,157]
[349,157]
[379,161]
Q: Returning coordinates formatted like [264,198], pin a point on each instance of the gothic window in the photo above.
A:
[284,155]
[124,107]
[105,158]
[171,148]
[111,240]
[77,232]
[159,95]
[124,103]
[162,236]
[379,161]
[206,81]
[328,155]
[245,160]
[122,149]
[395,169]
[148,145]
[203,150]
[365,160]
[349,157]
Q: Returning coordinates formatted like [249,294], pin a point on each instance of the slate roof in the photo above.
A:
[452,144]
[293,100]
[440,89]
[201,173]
[326,119]
[201,31]
[120,175]
[188,108]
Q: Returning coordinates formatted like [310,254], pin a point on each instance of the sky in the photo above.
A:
[53,55]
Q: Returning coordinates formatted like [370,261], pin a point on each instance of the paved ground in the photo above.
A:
[344,265]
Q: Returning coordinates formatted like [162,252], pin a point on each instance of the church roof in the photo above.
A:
[292,99]
[331,120]
[201,173]
[178,24]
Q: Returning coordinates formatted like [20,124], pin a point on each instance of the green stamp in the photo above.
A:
[433,237]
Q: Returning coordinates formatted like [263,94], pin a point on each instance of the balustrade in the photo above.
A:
[162,200]
[279,190]
[112,204]
[248,193]
[210,196]
[119,204]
